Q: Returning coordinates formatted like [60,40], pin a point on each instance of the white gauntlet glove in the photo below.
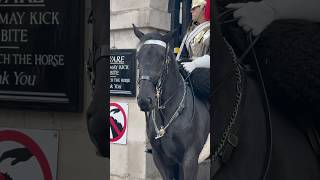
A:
[200,62]
[253,16]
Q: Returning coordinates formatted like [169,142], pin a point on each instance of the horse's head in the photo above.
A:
[152,61]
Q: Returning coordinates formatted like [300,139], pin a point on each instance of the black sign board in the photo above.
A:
[41,54]
[123,72]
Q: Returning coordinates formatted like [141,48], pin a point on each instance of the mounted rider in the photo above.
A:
[195,48]
[194,55]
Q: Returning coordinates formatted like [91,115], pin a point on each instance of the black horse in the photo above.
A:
[252,141]
[177,122]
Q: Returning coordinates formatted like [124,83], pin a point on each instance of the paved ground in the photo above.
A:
[203,174]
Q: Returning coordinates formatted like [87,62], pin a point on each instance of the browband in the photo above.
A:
[153,42]
[156,42]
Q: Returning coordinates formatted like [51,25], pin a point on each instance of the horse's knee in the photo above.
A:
[190,167]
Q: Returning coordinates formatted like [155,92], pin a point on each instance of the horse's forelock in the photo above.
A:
[152,35]
[149,36]
[155,36]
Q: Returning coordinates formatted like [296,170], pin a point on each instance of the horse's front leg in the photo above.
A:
[166,169]
[190,166]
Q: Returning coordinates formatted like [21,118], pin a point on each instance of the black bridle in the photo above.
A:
[158,86]
[229,140]
[163,73]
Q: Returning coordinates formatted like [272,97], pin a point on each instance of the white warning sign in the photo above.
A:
[118,122]
[28,154]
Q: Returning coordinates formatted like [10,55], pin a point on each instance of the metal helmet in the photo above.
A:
[196,3]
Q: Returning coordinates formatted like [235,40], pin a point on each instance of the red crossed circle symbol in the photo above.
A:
[114,126]
[34,148]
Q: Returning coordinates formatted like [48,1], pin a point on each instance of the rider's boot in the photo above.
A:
[205,153]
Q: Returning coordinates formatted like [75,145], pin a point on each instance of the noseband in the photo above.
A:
[164,66]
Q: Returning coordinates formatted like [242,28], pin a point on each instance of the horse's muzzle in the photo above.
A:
[145,104]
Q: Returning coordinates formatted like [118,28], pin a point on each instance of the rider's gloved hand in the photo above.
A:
[189,66]
[253,16]
[200,62]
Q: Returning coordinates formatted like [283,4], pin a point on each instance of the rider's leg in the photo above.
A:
[205,153]
[200,79]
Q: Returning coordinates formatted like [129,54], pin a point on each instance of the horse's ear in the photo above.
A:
[137,32]
[168,37]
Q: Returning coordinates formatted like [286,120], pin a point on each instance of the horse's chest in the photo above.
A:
[169,147]
[173,144]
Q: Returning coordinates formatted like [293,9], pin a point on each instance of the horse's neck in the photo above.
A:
[172,89]
[222,62]
[223,58]
[224,86]
[173,82]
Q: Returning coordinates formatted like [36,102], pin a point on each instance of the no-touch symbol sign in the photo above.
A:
[30,154]
[118,122]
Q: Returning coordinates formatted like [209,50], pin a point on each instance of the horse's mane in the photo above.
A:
[153,35]
[291,48]
[292,61]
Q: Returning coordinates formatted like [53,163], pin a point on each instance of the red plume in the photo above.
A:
[207,11]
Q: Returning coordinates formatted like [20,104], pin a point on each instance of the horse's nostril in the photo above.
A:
[145,104]
[149,100]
